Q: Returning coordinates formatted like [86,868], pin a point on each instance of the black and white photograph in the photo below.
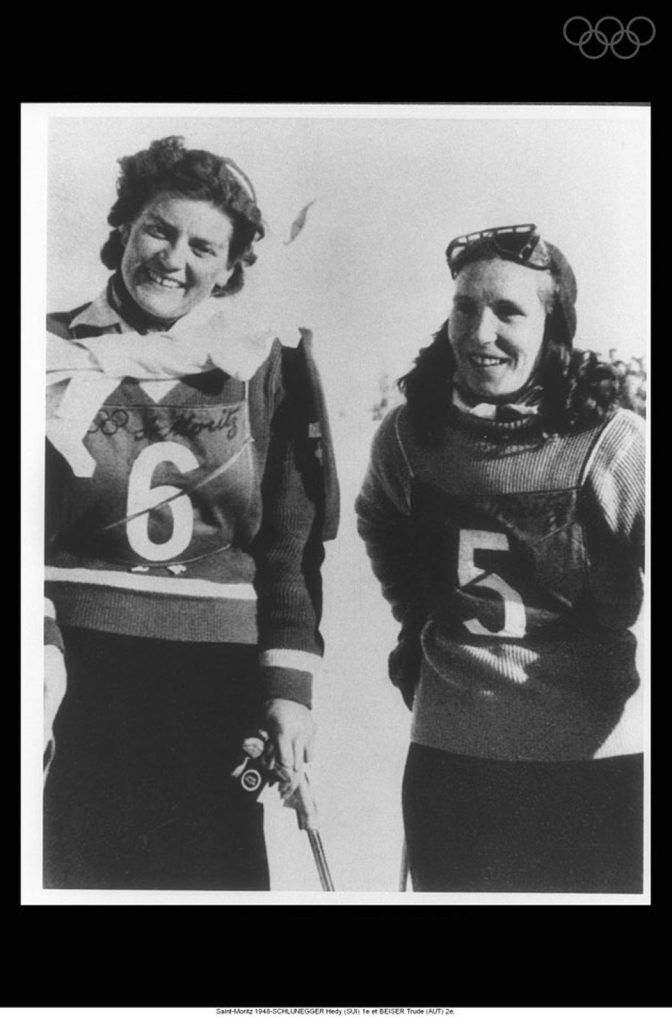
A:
[334,560]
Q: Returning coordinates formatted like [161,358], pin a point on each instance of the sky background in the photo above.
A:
[391,186]
[368,272]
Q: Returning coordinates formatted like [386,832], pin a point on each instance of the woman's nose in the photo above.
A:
[173,256]
[485,327]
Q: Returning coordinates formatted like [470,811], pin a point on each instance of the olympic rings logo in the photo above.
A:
[624,52]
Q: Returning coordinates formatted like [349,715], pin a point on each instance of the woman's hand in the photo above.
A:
[292,732]
[55,685]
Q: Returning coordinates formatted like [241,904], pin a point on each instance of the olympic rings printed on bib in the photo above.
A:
[615,43]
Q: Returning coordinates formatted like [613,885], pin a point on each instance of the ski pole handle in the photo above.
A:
[306,812]
[301,800]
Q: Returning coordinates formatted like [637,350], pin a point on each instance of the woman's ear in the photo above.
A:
[124,232]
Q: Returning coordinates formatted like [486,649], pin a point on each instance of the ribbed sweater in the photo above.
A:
[205,516]
[514,563]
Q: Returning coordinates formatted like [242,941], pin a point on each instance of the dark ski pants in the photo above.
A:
[139,795]
[474,825]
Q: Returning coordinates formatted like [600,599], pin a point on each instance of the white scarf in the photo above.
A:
[203,340]
[489,411]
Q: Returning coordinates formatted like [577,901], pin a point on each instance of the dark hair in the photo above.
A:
[579,389]
[167,166]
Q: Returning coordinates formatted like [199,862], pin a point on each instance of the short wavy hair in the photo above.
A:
[169,167]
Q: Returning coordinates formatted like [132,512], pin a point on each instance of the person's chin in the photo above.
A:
[162,307]
[488,390]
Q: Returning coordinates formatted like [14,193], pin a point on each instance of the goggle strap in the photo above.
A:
[249,187]
[521,255]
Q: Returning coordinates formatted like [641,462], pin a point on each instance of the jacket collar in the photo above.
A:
[100,313]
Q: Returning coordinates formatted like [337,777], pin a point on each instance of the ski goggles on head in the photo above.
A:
[520,243]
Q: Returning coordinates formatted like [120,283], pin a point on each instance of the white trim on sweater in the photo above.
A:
[151,584]
[302,661]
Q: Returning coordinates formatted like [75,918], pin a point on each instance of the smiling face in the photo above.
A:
[496,326]
[175,252]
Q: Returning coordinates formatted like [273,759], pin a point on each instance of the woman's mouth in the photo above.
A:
[162,280]
[479,360]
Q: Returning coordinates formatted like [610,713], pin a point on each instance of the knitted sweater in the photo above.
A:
[205,516]
[514,564]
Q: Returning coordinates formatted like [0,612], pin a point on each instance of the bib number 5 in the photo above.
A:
[468,573]
[142,498]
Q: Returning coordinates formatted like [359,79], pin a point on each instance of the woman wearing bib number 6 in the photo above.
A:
[503,512]
[190,486]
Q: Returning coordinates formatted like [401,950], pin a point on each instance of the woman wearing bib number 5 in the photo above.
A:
[190,486]
[503,512]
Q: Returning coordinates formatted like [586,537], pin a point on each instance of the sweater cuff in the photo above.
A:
[52,634]
[288,675]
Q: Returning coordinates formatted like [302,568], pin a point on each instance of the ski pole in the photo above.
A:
[257,771]
[303,802]
[403,873]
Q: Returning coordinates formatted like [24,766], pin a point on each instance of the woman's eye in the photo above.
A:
[155,231]
[506,310]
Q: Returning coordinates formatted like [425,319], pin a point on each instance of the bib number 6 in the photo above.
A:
[514,609]
[142,498]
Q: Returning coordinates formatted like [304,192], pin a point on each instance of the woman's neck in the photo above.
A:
[122,303]
[529,394]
